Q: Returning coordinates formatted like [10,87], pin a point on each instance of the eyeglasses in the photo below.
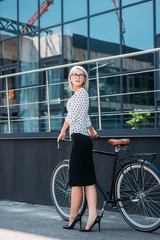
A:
[75,75]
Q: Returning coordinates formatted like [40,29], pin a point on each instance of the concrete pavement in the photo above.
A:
[21,221]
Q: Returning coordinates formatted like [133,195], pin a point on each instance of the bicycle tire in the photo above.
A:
[61,197]
[137,187]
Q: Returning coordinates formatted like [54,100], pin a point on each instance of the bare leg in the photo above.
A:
[91,195]
[76,197]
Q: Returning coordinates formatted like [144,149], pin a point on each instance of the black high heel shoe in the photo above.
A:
[77,219]
[97,220]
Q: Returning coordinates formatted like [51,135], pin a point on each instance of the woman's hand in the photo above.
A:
[92,132]
[61,135]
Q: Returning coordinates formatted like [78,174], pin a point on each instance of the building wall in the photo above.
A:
[26,164]
[63,35]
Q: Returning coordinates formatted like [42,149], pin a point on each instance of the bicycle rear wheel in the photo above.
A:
[138,189]
[61,192]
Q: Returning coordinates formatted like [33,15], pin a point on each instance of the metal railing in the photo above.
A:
[49,101]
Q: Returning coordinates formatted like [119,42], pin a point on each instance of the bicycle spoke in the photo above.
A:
[142,208]
[61,195]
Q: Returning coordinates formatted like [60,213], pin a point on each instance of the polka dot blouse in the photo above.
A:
[77,117]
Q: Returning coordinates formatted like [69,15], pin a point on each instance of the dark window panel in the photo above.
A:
[157,16]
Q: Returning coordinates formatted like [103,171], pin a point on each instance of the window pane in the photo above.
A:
[74,9]
[28,53]
[138,23]
[157,16]
[8,51]
[111,121]
[3,123]
[127,2]
[50,42]
[138,62]
[8,12]
[103,40]
[11,83]
[102,5]
[56,120]
[53,78]
[28,12]
[29,110]
[53,14]
[142,101]
[75,41]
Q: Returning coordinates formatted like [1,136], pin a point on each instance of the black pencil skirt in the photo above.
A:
[81,171]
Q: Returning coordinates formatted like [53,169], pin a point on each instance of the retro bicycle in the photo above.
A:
[134,190]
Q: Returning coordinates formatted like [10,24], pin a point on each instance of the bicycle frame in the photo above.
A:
[134,187]
[108,197]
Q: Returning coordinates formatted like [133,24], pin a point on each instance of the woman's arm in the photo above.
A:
[92,132]
[63,131]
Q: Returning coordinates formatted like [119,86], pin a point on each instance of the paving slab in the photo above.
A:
[22,221]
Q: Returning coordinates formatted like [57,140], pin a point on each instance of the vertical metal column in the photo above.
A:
[8,112]
[98,95]
[48,103]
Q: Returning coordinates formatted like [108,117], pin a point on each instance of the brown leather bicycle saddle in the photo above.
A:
[119,141]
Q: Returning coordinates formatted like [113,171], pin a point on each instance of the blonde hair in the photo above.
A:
[86,84]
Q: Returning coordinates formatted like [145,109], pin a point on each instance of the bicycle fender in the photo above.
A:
[142,162]
[66,160]
[152,166]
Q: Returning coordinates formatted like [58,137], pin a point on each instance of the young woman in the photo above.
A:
[81,171]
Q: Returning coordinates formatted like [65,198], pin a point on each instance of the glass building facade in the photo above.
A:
[44,33]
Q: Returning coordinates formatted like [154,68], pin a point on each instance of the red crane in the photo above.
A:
[123,27]
[43,8]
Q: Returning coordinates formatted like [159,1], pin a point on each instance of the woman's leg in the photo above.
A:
[91,195]
[76,197]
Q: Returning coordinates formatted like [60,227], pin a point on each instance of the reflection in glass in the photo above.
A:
[8,9]
[28,12]
[28,58]
[52,14]
[3,122]
[50,42]
[28,61]
[127,2]
[102,5]
[7,34]
[75,41]
[103,40]
[95,121]
[74,9]
[56,120]
[10,82]
[54,88]
[109,86]
[29,110]
[158,117]
[111,121]
[8,13]
[157,17]
[138,62]
[138,83]
[8,51]
[138,33]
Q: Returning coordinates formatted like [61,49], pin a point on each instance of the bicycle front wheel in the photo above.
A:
[137,190]
[61,192]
